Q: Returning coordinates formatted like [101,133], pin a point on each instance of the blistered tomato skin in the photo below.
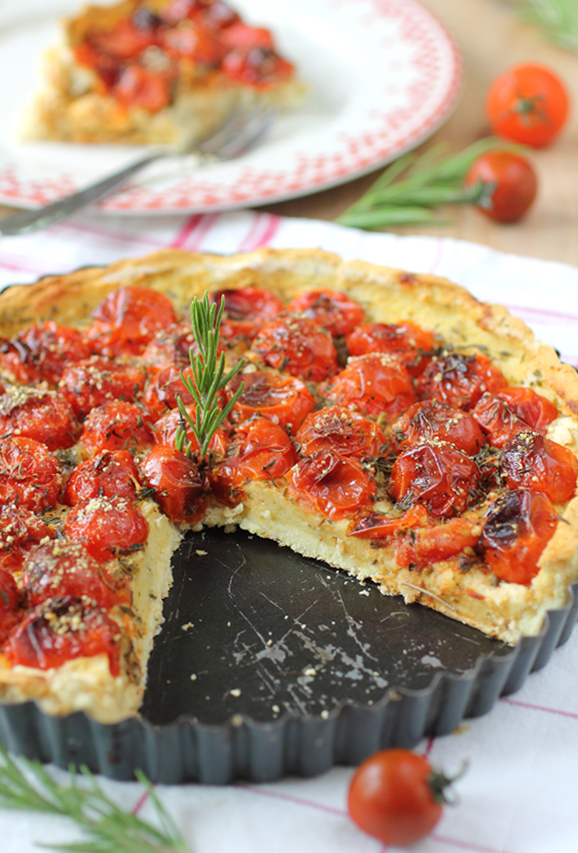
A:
[533,462]
[166,432]
[127,320]
[180,489]
[296,345]
[261,450]
[433,419]
[117,425]
[30,475]
[61,568]
[532,408]
[52,346]
[459,379]
[498,421]
[437,475]
[10,610]
[162,389]
[63,629]
[436,542]
[20,531]
[342,430]
[106,527]
[375,385]
[331,485]
[45,416]
[408,341]
[110,474]
[98,380]
[246,310]
[517,528]
[285,400]
[329,309]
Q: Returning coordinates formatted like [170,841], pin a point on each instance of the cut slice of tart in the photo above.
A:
[156,72]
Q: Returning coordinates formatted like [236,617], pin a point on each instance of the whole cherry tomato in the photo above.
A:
[110,474]
[330,309]
[285,400]
[296,345]
[533,462]
[179,487]
[396,796]
[527,103]
[459,379]
[20,531]
[376,384]
[345,431]
[60,568]
[332,485]
[509,184]
[117,425]
[106,527]
[43,415]
[430,419]
[246,310]
[128,318]
[408,341]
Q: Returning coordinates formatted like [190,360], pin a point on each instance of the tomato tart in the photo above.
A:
[386,423]
[156,72]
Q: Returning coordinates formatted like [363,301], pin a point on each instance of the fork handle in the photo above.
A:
[32,220]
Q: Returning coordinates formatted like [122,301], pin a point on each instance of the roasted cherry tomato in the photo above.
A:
[128,318]
[285,400]
[180,489]
[93,382]
[124,40]
[517,527]
[117,425]
[375,525]
[509,184]
[498,421]
[46,416]
[30,476]
[20,531]
[459,379]
[432,419]
[530,407]
[408,341]
[16,361]
[163,387]
[396,796]
[246,310]
[171,346]
[261,450]
[527,103]
[107,527]
[531,461]
[60,568]
[342,430]
[52,346]
[167,426]
[10,610]
[256,66]
[110,474]
[63,629]
[330,309]
[437,475]
[375,384]
[436,542]
[298,346]
[138,86]
[331,485]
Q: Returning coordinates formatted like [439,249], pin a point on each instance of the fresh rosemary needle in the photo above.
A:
[558,20]
[208,379]
[409,191]
[108,829]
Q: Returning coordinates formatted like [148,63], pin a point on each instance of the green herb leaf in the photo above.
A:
[108,828]
[209,379]
[558,19]
[410,190]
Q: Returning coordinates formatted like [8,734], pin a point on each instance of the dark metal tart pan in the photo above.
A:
[271,664]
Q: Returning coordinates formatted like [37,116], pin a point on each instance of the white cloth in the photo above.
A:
[519,793]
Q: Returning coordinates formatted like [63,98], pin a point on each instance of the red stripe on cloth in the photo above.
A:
[140,802]
[464,845]
[529,706]
[440,243]
[544,312]
[186,231]
[262,231]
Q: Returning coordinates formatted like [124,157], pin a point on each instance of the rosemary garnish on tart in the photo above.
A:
[208,379]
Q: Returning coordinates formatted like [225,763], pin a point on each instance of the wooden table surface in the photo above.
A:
[492,38]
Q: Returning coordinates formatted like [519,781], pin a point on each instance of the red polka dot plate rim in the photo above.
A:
[383,75]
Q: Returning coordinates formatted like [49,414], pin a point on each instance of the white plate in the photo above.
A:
[383,76]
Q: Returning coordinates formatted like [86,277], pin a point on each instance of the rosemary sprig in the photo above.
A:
[558,19]
[108,828]
[409,190]
[208,379]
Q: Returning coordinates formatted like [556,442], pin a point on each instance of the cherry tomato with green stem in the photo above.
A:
[396,796]
[508,184]
[527,103]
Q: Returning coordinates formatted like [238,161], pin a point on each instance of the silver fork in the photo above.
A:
[239,132]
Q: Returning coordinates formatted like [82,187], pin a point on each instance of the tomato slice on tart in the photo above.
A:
[30,476]
[533,462]
[331,485]
[246,310]
[20,531]
[62,568]
[91,383]
[376,385]
[285,400]
[117,425]
[41,414]
[128,318]
[296,345]
[343,430]
[107,527]
[413,345]
[459,379]
[330,309]
[109,474]
[532,408]
[179,487]
[51,346]
[431,419]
